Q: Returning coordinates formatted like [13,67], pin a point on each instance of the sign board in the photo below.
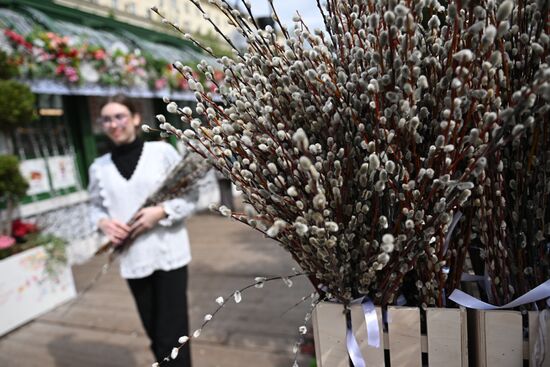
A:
[36,174]
[62,171]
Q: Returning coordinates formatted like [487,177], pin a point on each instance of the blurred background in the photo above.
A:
[59,60]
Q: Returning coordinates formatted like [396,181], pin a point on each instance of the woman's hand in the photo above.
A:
[115,231]
[146,219]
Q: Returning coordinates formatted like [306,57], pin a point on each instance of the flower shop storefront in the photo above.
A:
[57,66]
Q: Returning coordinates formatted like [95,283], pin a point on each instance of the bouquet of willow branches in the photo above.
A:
[359,146]
[179,182]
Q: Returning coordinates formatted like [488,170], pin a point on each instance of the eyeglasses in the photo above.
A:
[120,120]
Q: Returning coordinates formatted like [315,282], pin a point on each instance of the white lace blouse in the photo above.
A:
[166,247]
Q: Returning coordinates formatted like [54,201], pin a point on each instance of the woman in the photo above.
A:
[155,263]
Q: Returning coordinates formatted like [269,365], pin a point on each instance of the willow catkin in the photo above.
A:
[384,126]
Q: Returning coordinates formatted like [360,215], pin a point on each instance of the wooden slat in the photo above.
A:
[447,337]
[404,337]
[503,338]
[329,329]
[476,321]
[374,357]
[534,325]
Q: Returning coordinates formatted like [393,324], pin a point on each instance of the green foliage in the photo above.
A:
[16,104]
[11,182]
[57,254]
[8,69]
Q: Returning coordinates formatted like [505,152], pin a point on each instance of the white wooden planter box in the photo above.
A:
[501,340]
[446,340]
[497,337]
[26,290]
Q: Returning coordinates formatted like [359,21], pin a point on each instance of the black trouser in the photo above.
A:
[161,299]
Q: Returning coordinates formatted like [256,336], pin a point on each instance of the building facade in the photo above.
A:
[105,55]
[138,12]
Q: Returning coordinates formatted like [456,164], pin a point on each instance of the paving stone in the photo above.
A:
[102,327]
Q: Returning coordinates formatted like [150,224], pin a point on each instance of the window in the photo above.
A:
[131,7]
[46,151]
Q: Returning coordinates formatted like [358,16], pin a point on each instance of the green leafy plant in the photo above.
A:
[16,104]
[12,182]
[8,69]
[54,246]
[12,188]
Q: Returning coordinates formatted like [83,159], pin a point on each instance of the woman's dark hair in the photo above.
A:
[123,100]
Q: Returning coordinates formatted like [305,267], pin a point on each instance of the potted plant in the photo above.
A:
[12,188]
[16,104]
[40,277]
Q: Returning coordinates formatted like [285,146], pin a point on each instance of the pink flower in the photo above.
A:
[71,74]
[99,54]
[184,85]
[6,241]
[60,69]
[160,83]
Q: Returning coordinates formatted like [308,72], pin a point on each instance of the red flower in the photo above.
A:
[99,54]
[60,69]
[17,38]
[160,84]
[212,87]
[20,229]
[219,75]
[184,85]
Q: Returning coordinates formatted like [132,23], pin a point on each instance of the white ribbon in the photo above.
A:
[371,320]
[536,294]
[373,332]
[353,350]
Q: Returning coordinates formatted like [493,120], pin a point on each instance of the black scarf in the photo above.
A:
[126,157]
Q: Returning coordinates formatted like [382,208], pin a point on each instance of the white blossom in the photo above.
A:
[172,107]
[237,296]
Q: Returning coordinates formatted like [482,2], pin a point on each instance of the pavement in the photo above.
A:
[102,328]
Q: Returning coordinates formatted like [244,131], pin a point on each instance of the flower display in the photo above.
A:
[25,235]
[47,55]
[361,147]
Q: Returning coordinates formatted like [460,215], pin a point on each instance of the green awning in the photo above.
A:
[20,23]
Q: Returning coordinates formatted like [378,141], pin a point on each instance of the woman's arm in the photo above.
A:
[97,209]
[115,231]
[170,211]
[179,208]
